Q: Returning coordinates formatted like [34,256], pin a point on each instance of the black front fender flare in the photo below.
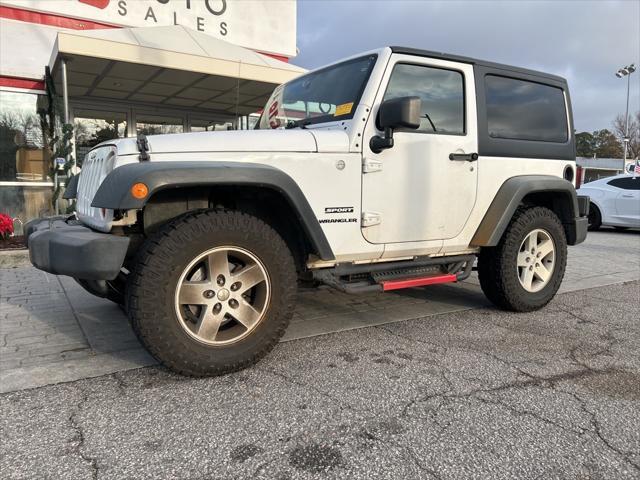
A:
[115,190]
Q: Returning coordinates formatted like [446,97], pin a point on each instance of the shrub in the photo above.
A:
[6,226]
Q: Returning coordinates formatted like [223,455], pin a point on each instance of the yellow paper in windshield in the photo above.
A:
[343,109]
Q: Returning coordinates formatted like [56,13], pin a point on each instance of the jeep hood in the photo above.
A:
[295,140]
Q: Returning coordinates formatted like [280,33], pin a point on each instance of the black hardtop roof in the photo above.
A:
[473,61]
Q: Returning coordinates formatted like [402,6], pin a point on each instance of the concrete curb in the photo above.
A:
[14,258]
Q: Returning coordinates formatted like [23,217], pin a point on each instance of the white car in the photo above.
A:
[615,201]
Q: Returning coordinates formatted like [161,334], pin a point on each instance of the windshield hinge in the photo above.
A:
[370,166]
[143,147]
[369,219]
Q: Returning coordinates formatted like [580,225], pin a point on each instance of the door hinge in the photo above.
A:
[369,219]
[369,165]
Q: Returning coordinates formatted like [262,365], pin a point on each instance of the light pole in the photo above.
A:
[626,72]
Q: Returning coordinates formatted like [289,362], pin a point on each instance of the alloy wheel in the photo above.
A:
[536,260]
[222,295]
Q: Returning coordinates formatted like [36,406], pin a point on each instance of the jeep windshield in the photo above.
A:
[325,95]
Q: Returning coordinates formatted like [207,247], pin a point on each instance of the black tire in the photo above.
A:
[155,276]
[497,266]
[594,218]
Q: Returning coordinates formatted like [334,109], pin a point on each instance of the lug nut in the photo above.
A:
[233,303]
[209,294]
[216,308]
[220,280]
[235,286]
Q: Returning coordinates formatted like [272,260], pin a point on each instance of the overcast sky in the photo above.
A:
[583,41]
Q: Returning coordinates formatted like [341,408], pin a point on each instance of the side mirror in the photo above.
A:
[402,112]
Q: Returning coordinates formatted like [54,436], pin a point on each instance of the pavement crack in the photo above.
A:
[580,319]
[412,339]
[418,463]
[597,431]
[529,413]
[80,438]
[307,386]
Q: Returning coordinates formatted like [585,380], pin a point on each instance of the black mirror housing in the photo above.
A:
[402,112]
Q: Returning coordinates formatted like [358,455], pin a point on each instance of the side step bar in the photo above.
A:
[381,277]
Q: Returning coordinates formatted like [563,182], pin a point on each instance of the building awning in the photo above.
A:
[167,65]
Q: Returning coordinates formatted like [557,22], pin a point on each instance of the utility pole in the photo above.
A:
[626,72]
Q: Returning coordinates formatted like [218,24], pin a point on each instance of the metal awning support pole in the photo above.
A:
[65,102]
[65,90]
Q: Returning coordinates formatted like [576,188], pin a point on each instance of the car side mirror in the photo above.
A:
[402,112]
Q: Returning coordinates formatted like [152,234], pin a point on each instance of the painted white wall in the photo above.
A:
[265,25]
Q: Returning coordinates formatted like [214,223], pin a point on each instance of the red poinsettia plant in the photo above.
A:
[6,226]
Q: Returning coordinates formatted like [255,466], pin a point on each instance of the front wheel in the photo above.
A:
[594,218]
[524,271]
[212,292]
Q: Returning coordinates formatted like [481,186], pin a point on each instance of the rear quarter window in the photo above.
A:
[626,183]
[523,110]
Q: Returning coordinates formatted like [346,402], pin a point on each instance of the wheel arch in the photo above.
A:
[179,187]
[548,191]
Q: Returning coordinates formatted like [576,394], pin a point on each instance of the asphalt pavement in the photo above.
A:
[471,394]
[53,331]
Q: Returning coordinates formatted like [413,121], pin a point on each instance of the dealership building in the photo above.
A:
[117,68]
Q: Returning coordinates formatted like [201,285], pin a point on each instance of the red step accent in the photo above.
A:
[417,282]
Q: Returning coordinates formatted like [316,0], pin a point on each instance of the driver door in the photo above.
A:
[413,192]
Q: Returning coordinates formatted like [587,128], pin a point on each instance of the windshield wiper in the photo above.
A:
[298,123]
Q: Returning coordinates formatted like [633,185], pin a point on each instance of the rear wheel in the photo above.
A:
[594,218]
[524,271]
[212,292]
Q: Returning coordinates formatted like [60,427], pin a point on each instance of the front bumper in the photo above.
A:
[65,247]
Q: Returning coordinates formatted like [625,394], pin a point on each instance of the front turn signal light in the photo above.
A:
[139,191]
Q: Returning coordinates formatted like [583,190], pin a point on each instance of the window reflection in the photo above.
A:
[441,92]
[22,153]
[522,110]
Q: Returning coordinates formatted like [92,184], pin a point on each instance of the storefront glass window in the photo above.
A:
[92,128]
[23,157]
[210,125]
[158,124]
[25,188]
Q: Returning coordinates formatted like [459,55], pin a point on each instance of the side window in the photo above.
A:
[628,183]
[522,110]
[442,94]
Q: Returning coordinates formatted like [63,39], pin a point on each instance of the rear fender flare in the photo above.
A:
[510,197]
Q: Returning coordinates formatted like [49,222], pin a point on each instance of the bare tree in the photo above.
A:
[634,133]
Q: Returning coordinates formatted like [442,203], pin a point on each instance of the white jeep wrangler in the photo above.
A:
[392,169]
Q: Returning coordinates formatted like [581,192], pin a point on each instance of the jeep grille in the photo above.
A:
[98,163]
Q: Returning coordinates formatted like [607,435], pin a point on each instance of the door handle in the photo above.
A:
[463,157]
[627,195]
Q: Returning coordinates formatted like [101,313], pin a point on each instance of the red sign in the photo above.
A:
[101,4]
